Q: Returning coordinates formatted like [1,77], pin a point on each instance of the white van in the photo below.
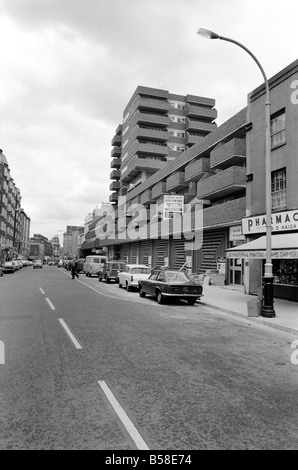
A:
[93,264]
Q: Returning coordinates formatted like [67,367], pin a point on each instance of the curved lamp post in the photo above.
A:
[268,300]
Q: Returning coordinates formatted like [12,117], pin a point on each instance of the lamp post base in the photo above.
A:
[268,299]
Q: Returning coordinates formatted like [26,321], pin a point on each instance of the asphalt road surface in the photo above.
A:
[85,365]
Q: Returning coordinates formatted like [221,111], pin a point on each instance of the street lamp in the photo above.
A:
[268,300]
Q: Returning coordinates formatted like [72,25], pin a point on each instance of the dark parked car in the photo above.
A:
[166,283]
[81,262]
[110,270]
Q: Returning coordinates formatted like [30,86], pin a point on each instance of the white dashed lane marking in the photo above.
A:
[128,424]
[50,303]
[69,333]
[2,353]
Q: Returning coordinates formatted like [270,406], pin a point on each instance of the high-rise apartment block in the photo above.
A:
[157,127]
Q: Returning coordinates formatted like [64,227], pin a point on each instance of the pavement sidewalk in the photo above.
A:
[232,299]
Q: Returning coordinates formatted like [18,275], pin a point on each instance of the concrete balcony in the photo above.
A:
[196,169]
[144,150]
[136,165]
[115,175]
[192,139]
[115,163]
[115,186]
[116,141]
[176,181]
[116,152]
[150,119]
[201,112]
[200,100]
[113,198]
[204,127]
[158,135]
[150,104]
[159,189]
[228,154]
[221,184]
[224,213]
[146,197]
[149,149]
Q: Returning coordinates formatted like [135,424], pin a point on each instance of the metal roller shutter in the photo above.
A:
[178,256]
[134,253]
[160,252]
[124,252]
[214,244]
[145,251]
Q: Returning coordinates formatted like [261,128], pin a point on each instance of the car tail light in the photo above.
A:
[131,278]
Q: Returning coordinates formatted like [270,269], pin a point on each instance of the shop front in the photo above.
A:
[284,255]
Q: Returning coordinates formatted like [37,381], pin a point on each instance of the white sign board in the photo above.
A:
[260,254]
[280,221]
[172,206]
[235,233]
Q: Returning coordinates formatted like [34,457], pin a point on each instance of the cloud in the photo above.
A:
[69,68]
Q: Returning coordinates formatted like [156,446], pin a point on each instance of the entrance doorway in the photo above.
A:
[236,271]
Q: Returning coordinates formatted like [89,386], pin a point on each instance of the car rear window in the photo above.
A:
[176,276]
[140,270]
[113,266]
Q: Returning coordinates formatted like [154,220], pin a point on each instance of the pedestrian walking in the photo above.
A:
[74,269]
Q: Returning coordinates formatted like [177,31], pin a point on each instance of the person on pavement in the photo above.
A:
[74,269]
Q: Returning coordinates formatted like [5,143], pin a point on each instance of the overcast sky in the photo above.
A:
[69,67]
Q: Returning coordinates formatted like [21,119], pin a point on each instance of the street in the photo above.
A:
[183,377]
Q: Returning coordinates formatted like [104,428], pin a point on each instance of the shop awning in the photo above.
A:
[93,243]
[282,246]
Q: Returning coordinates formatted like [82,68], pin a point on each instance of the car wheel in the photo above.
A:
[160,297]
[128,287]
[107,280]
[191,301]
[141,292]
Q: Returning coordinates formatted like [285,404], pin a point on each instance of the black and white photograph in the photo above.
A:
[148,228]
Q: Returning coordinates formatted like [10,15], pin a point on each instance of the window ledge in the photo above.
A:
[278,145]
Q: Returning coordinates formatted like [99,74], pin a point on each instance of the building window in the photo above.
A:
[177,104]
[175,118]
[176,133]
[279,189]
[278,129]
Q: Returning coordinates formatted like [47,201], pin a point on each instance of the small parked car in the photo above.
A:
[9,267]
[166,283]
[37,264]
[132,274]
[81,262]
[17,263]
[111,270]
